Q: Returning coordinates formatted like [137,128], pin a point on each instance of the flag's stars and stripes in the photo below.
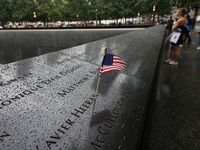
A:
[112,62]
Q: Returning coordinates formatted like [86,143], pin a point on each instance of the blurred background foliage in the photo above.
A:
[71,10]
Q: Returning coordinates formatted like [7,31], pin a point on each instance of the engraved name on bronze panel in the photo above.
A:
[105,129]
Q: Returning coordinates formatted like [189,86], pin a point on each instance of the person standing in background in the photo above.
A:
[193,26]
[189,29]
[170,24]
[199,42]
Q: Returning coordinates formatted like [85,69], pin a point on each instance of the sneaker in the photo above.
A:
[181,45]
[168,60]
[173,63]
[198,47]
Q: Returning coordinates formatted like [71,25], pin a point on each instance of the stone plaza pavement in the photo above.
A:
[175,118]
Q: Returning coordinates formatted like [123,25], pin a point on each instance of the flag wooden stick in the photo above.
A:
[98,83]
[97,88]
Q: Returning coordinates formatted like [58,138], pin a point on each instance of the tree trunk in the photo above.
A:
[195,14]
[154,17]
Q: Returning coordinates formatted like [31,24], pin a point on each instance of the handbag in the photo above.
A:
[174,36]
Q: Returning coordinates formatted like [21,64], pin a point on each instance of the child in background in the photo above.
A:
[199,42]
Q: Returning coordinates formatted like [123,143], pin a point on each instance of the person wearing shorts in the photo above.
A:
[175,51]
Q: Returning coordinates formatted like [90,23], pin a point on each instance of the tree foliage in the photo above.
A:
[186,3]
[54,10]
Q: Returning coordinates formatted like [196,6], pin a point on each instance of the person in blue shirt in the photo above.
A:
[189,29]
[199,42]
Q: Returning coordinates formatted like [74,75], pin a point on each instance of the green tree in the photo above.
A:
[53,9]
[5,11]
[115,9]
[81,10]
[162,7]
[188,4]
[22,10]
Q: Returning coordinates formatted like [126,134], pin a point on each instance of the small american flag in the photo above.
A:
[111,62]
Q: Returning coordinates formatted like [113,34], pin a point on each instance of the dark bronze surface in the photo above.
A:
[29,43]
[46,102]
